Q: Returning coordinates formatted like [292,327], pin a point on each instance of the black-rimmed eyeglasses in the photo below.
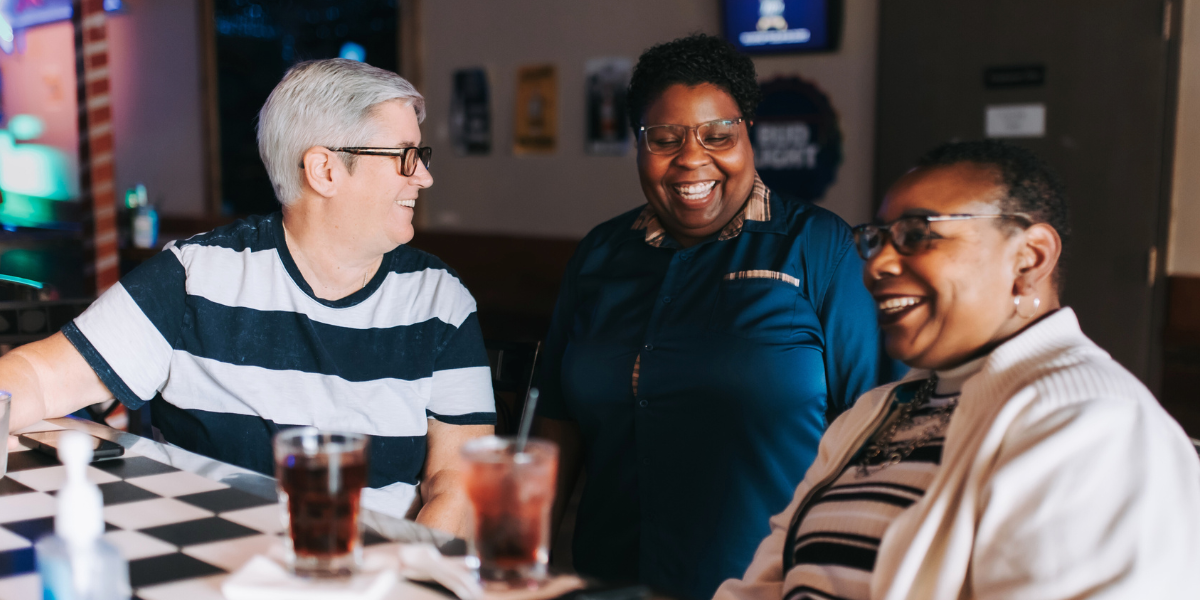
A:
[718,135]
[408,156]
[912,234]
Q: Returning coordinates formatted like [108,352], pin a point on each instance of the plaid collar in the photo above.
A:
[756,208]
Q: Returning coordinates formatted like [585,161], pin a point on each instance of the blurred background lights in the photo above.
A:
[33,177]
[26,127]
[6,36]
[353,51]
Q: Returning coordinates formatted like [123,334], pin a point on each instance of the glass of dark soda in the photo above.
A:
[320,476]
[512,494]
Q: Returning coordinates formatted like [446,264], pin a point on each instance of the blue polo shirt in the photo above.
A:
[700,379]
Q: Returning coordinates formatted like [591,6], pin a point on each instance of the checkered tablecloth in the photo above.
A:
[181,533]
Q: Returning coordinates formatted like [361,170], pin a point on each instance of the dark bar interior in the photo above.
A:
[714,235]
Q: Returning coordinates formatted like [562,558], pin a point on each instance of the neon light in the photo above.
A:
[35,170]
[20,14]
[33,177]
[26,127]
[21,280]
[6,36]
[23,211]
[353,51]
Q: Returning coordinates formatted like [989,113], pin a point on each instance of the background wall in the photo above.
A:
[848,78]
[154,50]
[1183,257]
[154,53]
[1181,338]
[156,94]
[155,76]
[567,193]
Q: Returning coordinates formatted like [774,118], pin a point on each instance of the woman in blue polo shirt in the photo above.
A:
[700,342]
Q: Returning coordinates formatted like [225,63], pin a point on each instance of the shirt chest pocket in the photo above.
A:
[756,304]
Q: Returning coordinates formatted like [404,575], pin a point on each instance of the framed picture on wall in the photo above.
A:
[471,113]
[536,110]
[606,80]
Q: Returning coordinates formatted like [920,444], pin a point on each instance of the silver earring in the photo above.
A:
[1037,303]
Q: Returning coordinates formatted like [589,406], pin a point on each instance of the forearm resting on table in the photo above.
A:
[446,505]
[47,379]
[444,486]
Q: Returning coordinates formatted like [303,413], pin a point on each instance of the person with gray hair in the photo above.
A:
[317,315]
[334,99]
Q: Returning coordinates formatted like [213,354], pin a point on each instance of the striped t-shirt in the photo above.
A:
[224,335]
[838,538]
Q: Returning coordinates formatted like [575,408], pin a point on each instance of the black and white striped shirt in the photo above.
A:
[230,342]
[838,537]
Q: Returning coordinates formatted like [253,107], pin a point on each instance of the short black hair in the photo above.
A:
[692,60]
[1030,185]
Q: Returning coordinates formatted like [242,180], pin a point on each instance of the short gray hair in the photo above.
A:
[324,103]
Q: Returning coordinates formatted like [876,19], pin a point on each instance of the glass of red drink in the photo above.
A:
[320,476]
[512,494]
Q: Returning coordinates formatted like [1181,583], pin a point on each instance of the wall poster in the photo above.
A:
[471,113]
[536,130]
[607,122]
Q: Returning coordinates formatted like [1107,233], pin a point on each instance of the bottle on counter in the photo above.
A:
[125,212]
[145,221]
[75,562]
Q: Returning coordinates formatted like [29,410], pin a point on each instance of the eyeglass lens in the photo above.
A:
[867,240]
[409,166]
[669,139]
[908,236]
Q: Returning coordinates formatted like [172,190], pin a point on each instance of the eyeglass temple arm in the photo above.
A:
[1022,216]
[960,217]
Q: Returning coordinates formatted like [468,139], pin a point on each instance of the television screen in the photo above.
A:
[19,14]
[779,26]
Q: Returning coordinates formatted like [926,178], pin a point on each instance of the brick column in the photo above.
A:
[95,145]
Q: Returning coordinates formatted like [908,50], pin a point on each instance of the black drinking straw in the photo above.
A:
[527,419]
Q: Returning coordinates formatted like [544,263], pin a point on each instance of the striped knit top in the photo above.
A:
[226,338]
[838,537]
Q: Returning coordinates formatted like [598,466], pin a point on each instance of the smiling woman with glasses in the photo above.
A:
[702,341]
[1016,459]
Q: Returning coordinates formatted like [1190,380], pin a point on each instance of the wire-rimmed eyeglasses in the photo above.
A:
[912,234]
[408,156]
[721,134]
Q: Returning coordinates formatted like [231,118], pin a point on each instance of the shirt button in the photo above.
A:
[667,300]
[649,347]
[643,403]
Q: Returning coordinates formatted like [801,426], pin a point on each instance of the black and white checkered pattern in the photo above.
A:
[178,530]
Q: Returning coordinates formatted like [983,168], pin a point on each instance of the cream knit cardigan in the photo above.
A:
[1061,478]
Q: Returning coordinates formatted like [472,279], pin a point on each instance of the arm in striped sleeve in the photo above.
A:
[128,334]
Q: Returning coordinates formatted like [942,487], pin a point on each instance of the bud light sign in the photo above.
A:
[796,138]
